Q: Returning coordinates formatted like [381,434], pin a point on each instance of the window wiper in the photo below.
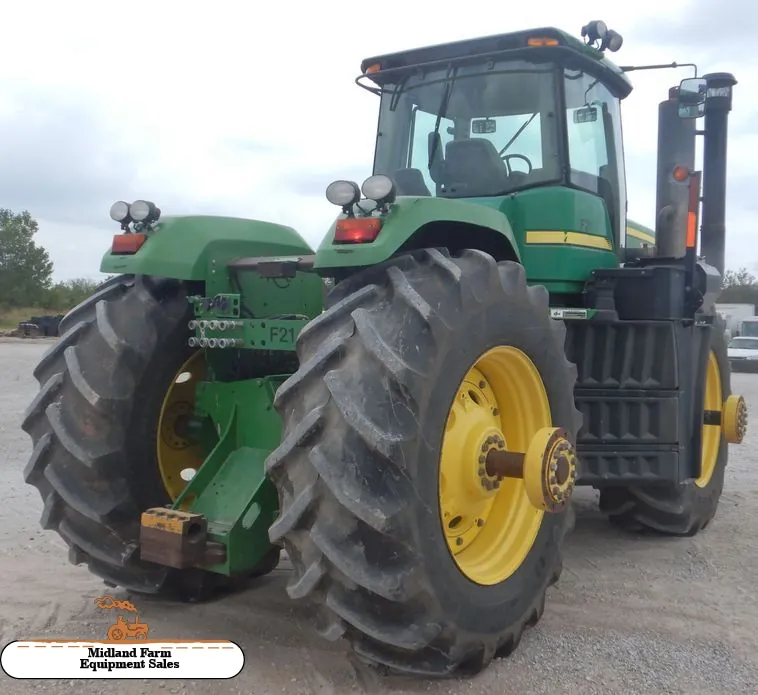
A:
[442,110]
[518,132]
[399,91]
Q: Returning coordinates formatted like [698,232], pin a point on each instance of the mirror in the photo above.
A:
[482,126]
[587,114]
[691,97]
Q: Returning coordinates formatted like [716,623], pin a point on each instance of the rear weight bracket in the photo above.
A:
[287,267]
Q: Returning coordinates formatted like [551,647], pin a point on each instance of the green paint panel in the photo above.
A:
[302,295]
[180,247]
[231,488]
[406,217]
[561,267]
[637,235]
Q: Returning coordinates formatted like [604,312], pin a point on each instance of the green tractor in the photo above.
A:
[407,410]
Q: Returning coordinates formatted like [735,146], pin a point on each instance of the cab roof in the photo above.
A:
[562,44]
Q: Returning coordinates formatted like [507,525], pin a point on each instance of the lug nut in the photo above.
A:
[203,324]
[482,384]
[192,342]
[459,541]
[192,325]
[482,459]
[213,325]
[482,472]
[212,342]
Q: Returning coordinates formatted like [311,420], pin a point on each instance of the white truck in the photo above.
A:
[739,319]
[749,327]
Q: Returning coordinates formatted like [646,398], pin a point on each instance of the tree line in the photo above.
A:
[26,269]
[26,272]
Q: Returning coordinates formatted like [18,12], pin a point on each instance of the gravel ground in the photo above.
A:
[630,615]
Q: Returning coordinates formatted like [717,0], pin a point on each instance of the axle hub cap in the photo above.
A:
[734,423]
[550,469]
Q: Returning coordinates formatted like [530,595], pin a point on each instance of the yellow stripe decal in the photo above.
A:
[570,238]
[642,236]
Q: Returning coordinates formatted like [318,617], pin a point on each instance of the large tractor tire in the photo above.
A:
[105,427]
[686,509]
[395,530]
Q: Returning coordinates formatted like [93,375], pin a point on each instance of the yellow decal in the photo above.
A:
[570,238]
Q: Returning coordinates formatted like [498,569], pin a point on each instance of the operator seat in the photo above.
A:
[473,167]
[411,182]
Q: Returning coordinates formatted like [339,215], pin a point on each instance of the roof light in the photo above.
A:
[595,31]
[542,41]
[371,69]
[613,41]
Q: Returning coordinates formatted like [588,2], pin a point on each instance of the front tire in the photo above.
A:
[358,470]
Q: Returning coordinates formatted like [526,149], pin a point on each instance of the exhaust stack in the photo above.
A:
[718,104]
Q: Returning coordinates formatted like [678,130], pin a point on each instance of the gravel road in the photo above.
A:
[630,614]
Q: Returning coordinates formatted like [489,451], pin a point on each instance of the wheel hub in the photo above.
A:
[548,468]
[488,517]
[734,422]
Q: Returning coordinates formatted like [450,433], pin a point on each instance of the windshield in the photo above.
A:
[749,328]
[744,343]
[468,131]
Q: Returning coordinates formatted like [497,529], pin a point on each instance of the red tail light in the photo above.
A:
[357,230]
[124,244]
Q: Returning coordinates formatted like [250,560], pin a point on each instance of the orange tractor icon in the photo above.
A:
[123,630]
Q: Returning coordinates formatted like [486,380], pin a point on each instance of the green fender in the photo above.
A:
[406,217]
[182,247]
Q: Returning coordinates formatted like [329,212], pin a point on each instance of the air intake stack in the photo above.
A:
[676,147]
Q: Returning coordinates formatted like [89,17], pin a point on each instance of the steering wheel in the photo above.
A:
[509,169]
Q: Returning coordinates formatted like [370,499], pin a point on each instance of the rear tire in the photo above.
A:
[676,510]
[94,427]
[357,470]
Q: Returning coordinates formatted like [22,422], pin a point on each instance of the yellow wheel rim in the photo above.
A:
[490,530]
[711,433]
[178,458]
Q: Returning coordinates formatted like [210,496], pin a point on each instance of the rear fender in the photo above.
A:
[415,222]
[182,247]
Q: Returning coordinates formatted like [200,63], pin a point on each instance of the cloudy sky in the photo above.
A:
[217,107]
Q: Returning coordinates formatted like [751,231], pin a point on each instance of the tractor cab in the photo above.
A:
[501,115]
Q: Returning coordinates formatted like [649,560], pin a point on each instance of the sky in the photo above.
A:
[219,108]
